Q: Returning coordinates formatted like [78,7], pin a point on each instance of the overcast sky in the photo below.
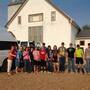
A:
[79,10]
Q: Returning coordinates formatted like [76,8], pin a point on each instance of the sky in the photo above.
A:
[79,10]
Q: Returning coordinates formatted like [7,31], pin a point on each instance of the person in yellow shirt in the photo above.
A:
[79,55]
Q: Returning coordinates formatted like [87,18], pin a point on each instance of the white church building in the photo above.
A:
[41,21]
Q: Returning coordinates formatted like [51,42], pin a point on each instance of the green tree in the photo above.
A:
[85,27]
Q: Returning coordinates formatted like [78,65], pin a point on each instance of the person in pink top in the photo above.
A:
[27,60]
[36,55]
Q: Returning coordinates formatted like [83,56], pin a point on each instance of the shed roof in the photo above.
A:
[84,33]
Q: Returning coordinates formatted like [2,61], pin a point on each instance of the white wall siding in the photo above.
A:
[20,31]
[74,32]
[83,39]
[53,32]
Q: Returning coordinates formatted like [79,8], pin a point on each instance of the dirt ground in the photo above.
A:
[45,81]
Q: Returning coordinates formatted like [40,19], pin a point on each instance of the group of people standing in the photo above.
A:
[45,59]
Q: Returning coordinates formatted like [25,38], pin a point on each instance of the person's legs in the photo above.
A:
[9,65]
[35,66]
[25,66]
[78,65]
[79,61]
[54,66]
[17,65]
[69,65]
[57,66]
[73,65]
[28,66]
[42,65]
[48,66]
[63,64]
[78,68]
[47,63]
[32,67]
[60,64]
[21,65]
[82,68]
[81,65]
[16,69]
[51,66]
[88,65]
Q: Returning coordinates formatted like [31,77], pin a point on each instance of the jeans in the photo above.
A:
[50,66]
[71,64]
[27,66]
[62,61]
[88,65]
[16,62]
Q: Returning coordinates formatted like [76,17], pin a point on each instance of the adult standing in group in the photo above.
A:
[43,56]
[55,59]
[49,59]
[62,57]
[19,60]
[27,60]
[87,58]
[79,56]
[70,57]
[36,55]
[32,58]
[11,57]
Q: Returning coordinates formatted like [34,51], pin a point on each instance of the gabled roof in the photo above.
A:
[52,4]
[84,34]
[16,2]
[16,13]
